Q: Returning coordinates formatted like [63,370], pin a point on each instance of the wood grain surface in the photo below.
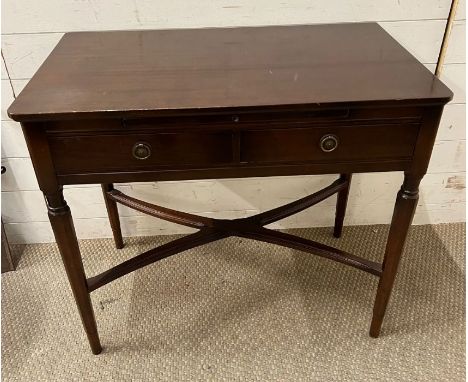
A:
[150,72]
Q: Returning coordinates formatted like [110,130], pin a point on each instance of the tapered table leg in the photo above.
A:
[406,202]
[341,202]
[113,214]
[64,231]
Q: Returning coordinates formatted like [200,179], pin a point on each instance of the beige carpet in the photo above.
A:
[238,310]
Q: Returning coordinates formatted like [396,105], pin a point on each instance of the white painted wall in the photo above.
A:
[30,29]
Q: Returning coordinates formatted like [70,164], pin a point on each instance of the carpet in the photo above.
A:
[240,310]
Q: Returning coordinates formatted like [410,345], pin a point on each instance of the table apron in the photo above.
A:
[234,172]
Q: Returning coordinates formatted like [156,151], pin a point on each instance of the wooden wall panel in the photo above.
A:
[31,29]
[31,16]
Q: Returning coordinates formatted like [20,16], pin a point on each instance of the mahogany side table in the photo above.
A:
[127,106]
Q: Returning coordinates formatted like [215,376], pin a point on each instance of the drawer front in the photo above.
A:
[121,151]
[234,141]
[331,143]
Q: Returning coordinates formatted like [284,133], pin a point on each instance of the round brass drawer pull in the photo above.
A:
[328,143]
[141,150]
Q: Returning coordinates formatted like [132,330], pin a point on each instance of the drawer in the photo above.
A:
[329,143]
[120,151]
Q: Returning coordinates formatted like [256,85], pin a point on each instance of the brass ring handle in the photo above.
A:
[328,143]
[141,150]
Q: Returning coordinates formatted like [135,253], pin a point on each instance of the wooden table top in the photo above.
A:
[114,73]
